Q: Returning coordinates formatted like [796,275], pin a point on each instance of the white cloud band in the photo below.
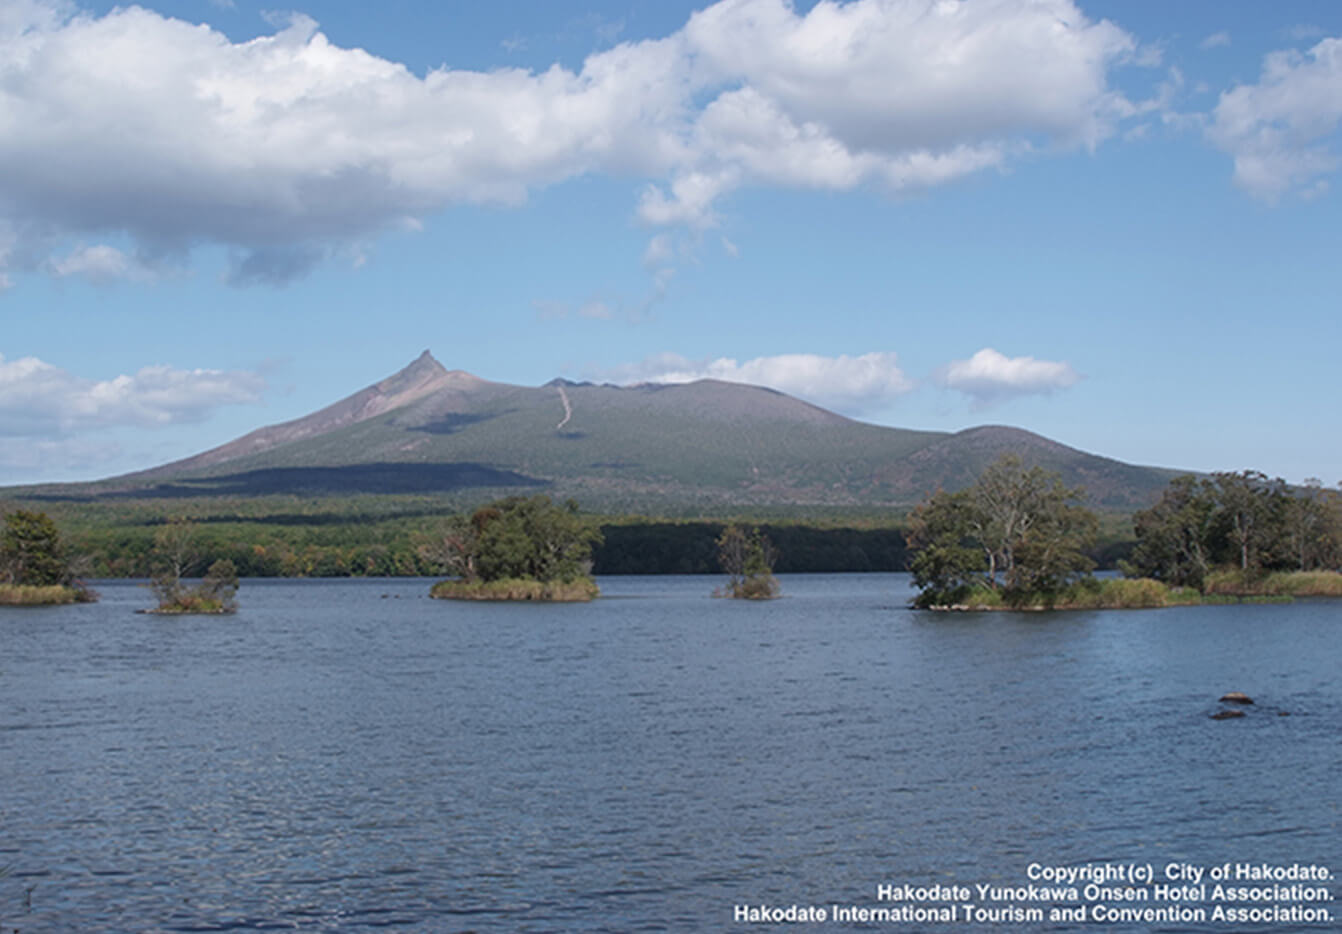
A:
[38,399]
[287,148]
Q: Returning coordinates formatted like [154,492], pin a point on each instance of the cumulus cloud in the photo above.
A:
[287,148]
[40,400]
[850,384]
[1283,131]
[989,376]
[1215,41]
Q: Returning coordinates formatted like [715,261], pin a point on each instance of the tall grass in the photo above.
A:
[1222,587]
[1089,594]
[54,595]
[1122,593]
[575,591]
[1276,584]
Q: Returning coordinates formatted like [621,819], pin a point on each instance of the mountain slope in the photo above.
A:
[699,446]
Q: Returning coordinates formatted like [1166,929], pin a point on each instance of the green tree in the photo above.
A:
[1176,536]
[1245,520]
[948,559]
[1051,553]
[1313,533]
[1254,510]
[748,559]
[451,548]
[1017,531]
[31,551]
[523,538]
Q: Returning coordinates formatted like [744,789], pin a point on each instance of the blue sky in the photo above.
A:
[1110,223]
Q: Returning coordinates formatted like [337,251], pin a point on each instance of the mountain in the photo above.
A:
[700,446]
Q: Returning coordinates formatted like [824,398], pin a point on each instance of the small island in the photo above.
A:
[748,559]
[519,548]
[1016,540]
[175,551]
[35,569]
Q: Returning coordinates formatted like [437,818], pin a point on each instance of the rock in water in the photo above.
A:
[1235,697]
[1227,714]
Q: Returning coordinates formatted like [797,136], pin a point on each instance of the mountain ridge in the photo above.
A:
[705,446]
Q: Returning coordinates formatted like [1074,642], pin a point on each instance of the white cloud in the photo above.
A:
[1215,40]
[99,264]
[690,202]
[1282,131]
[851,384]
[287,149]
[38,399]
[989,376]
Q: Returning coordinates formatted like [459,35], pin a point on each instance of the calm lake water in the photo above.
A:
[346,755]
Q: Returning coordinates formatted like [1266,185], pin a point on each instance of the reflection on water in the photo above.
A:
[347,755]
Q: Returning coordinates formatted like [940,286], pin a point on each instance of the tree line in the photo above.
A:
[369,547]
[1243,521]
[1021,536]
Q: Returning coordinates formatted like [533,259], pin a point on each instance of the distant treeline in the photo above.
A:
[691,548]
[394,548]
[328,550]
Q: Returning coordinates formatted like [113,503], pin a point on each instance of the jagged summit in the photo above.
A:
[421,378]
[423,365]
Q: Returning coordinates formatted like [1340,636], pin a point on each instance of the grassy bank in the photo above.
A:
[55,595]
[576,591]
[1222,587]
[1276,584]
[1090,594]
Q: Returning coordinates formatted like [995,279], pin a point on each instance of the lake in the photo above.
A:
[350,755]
